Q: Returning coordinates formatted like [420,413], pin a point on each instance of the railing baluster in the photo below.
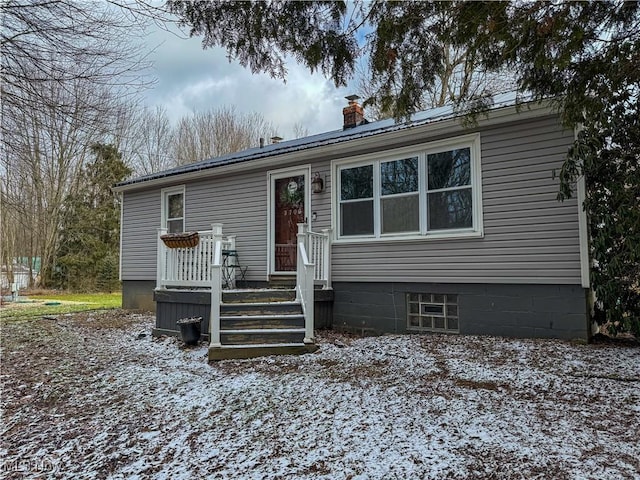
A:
[195,270]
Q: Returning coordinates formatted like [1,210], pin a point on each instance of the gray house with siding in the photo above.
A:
[425,226]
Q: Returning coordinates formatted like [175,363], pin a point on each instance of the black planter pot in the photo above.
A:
[190,329]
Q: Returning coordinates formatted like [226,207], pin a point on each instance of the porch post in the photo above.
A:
[160,258]
[303,235]
[301,238]
[216,294]
[216,229]
[327,256]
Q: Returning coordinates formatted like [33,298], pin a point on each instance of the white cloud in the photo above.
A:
[192,79]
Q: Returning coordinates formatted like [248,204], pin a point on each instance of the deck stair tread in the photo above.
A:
[258,350]
[275,324]
[258,296]
[286,316]
[265,345]
[259,290]
[267,331]
[262,304]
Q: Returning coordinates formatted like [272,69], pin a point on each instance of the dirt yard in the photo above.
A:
[94,396]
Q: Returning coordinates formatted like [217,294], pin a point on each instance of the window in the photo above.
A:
[433,312]
[399,196]
[356,200]
[426,191]
[449,189]
[173,209]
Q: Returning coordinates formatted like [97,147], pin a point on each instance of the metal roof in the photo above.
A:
[314,141]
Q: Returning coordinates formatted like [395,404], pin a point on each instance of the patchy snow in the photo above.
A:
[95,396]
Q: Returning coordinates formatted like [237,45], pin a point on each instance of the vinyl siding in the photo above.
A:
[140,223]
[529,237]
[239,203]
[321,202]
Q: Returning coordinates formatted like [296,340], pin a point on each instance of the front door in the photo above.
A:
[288,202]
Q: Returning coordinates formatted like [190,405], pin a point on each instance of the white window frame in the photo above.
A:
[471,141]
[165,193]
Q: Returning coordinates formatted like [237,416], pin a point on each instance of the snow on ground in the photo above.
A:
[94,396]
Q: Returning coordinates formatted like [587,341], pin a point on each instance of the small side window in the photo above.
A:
[173,210]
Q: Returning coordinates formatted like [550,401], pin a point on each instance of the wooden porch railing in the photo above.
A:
[318,248]
[191,267]
[305,289]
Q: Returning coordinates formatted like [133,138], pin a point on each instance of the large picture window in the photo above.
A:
[173,209]
[429,191]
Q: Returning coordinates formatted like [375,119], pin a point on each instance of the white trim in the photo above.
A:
[121,197]
[412,237]
[583,232]
[342,146]
[476,182]
[164,194]
[421,151]
[272,176]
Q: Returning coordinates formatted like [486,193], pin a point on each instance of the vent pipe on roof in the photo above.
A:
[261,142]
[353,113]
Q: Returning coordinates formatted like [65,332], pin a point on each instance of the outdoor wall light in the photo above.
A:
[317,184]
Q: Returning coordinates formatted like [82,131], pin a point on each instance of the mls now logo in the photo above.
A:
[28,465]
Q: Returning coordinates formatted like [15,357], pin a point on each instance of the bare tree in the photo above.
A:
[47,149]
[217,132]
[61,41]
[150,141]
[299,130]
[66,65]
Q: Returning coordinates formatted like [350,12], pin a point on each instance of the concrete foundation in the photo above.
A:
[523,311]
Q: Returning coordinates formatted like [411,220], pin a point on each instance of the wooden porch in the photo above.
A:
[205,280]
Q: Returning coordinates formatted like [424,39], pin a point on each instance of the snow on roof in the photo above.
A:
[336,136]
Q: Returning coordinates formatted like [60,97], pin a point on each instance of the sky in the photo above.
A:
[191,79]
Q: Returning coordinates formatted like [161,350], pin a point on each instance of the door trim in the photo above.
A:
[272,176]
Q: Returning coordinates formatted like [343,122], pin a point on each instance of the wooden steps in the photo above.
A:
[242,351]
[260,322]
[282,281]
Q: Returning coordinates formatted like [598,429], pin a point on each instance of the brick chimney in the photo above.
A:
[353,113]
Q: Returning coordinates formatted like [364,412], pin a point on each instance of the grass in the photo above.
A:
[34,305]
